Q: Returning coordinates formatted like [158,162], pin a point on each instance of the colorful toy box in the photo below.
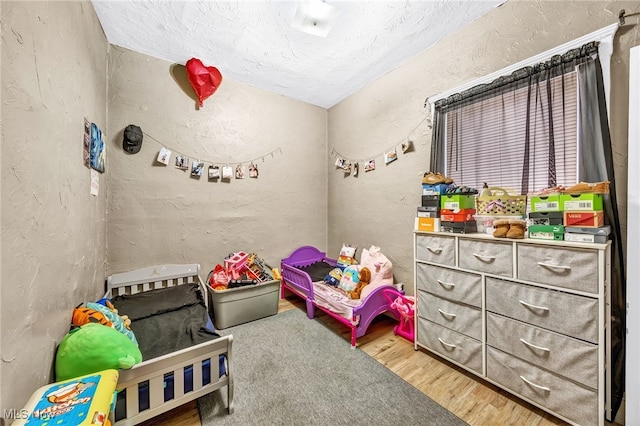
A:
[584,219]
[85,400]
[457,202]
[545,203]
[581,202]
[546,232]
[430,224]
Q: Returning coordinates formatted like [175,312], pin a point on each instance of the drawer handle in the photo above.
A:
[529,305]
[549,265]
[544,388]
[540,348]
[447,286]
[446,314]
[436,250]
[446,344]
[484,257]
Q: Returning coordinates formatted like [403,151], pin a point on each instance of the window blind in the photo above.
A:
[485,140]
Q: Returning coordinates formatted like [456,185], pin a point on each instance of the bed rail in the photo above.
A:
[154,371]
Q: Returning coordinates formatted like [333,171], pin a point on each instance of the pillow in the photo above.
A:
[381,268]
[115,319]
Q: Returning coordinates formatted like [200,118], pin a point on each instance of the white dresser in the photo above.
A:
[530,316]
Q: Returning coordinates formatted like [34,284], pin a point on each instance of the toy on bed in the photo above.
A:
[304,272]
[94,347]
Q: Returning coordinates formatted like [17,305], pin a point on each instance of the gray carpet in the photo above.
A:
[290,370]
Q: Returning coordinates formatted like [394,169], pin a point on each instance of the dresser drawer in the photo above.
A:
[558,353]
[566,398]
[563,267]
[450,284]
[485,256]
[436,249]
[461,318]
[450,344]
[565,313]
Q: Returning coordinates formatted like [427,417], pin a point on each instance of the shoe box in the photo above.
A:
[587,235]
[546,232]
[431,201]
[546,218]
[584,219]
[464,215]
[435,189]
[545,203]
[429,224]
[468,227]
[580,202]
[457,201]
[428,211]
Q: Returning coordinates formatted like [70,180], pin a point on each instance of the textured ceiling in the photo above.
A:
[254,42]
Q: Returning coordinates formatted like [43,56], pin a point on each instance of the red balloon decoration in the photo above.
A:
[204,80]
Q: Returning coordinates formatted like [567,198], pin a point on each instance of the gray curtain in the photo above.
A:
[595,165]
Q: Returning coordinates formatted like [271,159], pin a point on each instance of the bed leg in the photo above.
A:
[353,337]
[311,310]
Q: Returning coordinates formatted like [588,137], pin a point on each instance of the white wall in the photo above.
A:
[632,413]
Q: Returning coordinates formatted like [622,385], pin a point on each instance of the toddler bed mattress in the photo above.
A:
[327,296]
[164,321]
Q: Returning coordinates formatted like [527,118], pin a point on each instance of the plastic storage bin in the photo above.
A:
[235,306]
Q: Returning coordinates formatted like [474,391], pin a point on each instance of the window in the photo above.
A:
[522,140]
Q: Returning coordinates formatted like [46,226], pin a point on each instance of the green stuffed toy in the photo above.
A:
[94,347]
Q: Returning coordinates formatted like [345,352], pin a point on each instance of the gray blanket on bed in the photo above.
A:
[168,319]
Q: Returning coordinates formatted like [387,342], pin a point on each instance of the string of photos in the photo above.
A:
[215,169]
[351,166]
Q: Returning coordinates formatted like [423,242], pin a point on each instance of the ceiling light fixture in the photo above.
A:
[314,17]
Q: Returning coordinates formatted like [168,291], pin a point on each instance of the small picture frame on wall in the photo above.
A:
[182,162]
[97,154]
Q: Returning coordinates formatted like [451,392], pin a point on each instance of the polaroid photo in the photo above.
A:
[227,172]
[239,171]
[407,147]
[164,156]
[182,162]
[197,168]
[253,171]
[214,172]
[390,156]
[370,165]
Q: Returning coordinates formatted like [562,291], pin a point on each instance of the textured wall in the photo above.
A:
[54,59]
[159,214]
[387,110]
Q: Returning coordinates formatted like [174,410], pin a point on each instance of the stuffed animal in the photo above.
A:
[350,278]
[82,316]
[333,277]
[120,323]
[347,256]
[92,348]
[364,277]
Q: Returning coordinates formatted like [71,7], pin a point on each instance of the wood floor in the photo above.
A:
[474,401]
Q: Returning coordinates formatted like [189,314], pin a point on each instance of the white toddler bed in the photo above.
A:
[185,365]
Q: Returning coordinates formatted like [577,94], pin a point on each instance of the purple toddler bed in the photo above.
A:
[302,274]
